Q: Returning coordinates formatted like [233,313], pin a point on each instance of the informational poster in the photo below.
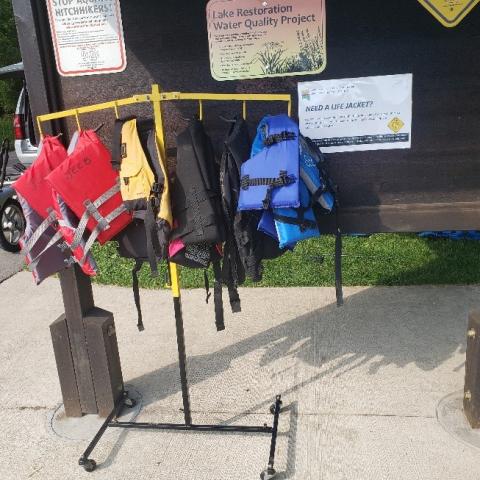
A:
[87,36]
[351,114]
[254,38]
[449,12]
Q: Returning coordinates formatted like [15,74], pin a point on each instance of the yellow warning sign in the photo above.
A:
[395,124]
[449,12]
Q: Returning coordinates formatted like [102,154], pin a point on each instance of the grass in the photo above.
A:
[6,129]
[383,259]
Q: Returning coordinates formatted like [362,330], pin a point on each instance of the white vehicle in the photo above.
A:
[23,129]
[12,221]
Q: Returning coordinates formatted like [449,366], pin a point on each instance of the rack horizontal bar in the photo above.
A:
[196,428]
[167,96]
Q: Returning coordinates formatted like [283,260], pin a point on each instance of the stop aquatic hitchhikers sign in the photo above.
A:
[266,38]
[449,12]
[87,36]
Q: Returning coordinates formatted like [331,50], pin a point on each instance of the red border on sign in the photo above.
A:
[120,68]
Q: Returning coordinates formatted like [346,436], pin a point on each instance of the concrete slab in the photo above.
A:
[361,384]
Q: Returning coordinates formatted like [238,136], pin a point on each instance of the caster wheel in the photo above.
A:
[130,402]
[89,465]
[268,474]
[272,409]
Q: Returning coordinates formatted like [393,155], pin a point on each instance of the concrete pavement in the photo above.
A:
[360,384]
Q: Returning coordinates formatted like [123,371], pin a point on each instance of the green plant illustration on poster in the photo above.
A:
[275,59]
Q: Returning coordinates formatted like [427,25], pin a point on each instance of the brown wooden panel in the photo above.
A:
[65,368]
[104,359]
[167,43]
[78,299]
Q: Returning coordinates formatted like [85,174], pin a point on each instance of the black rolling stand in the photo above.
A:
[111,421]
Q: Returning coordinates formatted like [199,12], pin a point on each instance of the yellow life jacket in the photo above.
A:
[143,172]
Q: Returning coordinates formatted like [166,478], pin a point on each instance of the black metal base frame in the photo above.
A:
[111,421]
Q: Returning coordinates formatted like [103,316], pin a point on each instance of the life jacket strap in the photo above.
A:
[34,262]
[42,228]
[282,180]
[100,228]
[207,286]
[152,239]
[279,137]
[217,296]
[91,210]
[234,297]
[319,192]
[303,223]
[136,293]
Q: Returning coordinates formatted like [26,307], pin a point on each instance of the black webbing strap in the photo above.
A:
[279,137]
[207,286]
[217,296]
[136,293]
[303,223]
[117,149]
[319,192]
[151,233]
[234,297]
[282,180]
[338,260]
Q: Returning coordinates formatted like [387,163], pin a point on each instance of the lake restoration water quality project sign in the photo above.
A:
[254,39]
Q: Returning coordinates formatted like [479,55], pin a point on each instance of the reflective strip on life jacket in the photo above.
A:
[68,224]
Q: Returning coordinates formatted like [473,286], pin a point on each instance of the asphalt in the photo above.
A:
[10,263]
[361,385]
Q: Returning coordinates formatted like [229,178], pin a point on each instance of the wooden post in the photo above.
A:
[471,399]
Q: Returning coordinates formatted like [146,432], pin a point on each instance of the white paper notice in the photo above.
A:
[352,114]
[87,36]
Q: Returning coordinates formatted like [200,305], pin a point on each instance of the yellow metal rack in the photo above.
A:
[156,97]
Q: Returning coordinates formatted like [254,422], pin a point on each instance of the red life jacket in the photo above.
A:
[43,244]
[88,185]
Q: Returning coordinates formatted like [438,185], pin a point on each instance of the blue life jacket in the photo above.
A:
[290,225]
[270,179]
[296,224]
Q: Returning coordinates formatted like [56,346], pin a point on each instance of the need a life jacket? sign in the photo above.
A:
[449,12]
[275,38]
[87,36]
[357,114]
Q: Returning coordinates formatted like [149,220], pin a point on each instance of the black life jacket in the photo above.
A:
[196,203]
[246,246]
[197,211]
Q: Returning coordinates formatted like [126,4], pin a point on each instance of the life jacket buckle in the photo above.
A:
[279,137]
[285,179]
[245,182]
[156,188]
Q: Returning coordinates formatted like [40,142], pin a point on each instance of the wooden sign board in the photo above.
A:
[433,185]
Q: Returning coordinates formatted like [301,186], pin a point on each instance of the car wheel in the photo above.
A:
[12,226]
